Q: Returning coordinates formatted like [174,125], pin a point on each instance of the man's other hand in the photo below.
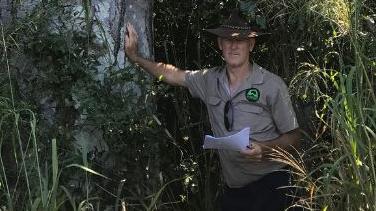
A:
[131,42]
[253,152]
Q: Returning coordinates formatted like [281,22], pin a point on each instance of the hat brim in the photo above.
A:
[234,33]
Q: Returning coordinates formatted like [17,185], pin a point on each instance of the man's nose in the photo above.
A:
[234,44]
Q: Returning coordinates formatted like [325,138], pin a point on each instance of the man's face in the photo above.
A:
[236,52]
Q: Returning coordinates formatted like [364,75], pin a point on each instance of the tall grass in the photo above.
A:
[43,190]
[12,115]
[28,184]
[346,178]
[29,179]
[15,124]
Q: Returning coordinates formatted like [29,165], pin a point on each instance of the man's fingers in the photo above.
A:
[130,35]
[126,35]
[130,29]
[252,153]
[130,41]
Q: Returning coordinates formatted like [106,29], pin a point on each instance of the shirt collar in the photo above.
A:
[256,77]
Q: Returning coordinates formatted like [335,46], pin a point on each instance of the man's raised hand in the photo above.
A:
[131,42]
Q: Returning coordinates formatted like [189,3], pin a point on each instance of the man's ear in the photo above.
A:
[219,41]
[252,43]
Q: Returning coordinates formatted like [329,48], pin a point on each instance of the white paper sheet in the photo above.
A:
[237,141]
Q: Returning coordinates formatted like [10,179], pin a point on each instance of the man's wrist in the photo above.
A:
[134,59]
[265,147]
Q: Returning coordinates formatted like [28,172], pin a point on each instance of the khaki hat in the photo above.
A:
[236,27]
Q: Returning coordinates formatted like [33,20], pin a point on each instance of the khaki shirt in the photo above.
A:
[268,116]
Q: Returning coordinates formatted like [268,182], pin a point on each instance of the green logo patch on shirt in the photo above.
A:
[252,94]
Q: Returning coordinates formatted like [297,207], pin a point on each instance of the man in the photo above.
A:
[240,94]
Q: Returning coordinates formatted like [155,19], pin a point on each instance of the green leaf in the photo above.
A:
[87,169]
[325,208]
[55,169]
[36,204]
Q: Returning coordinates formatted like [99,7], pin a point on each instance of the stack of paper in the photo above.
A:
[237,141]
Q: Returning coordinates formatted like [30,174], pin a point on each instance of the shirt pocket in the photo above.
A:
[250,115]
[249,108]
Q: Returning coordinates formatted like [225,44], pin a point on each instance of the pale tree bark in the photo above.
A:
[112,14]
[107,18]
[11,9]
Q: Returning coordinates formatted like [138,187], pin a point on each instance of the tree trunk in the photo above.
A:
[106,20]
[112,14]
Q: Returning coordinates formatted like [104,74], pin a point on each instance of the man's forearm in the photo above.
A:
[288,141]
[165,72]
[168,73]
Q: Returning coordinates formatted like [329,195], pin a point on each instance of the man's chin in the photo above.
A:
[234,64]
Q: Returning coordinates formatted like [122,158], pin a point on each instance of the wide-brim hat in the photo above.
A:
[236,27]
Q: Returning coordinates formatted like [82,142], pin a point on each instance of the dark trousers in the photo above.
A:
[267,194]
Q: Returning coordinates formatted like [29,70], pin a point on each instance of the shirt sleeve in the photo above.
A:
[195,81]
[282,110]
